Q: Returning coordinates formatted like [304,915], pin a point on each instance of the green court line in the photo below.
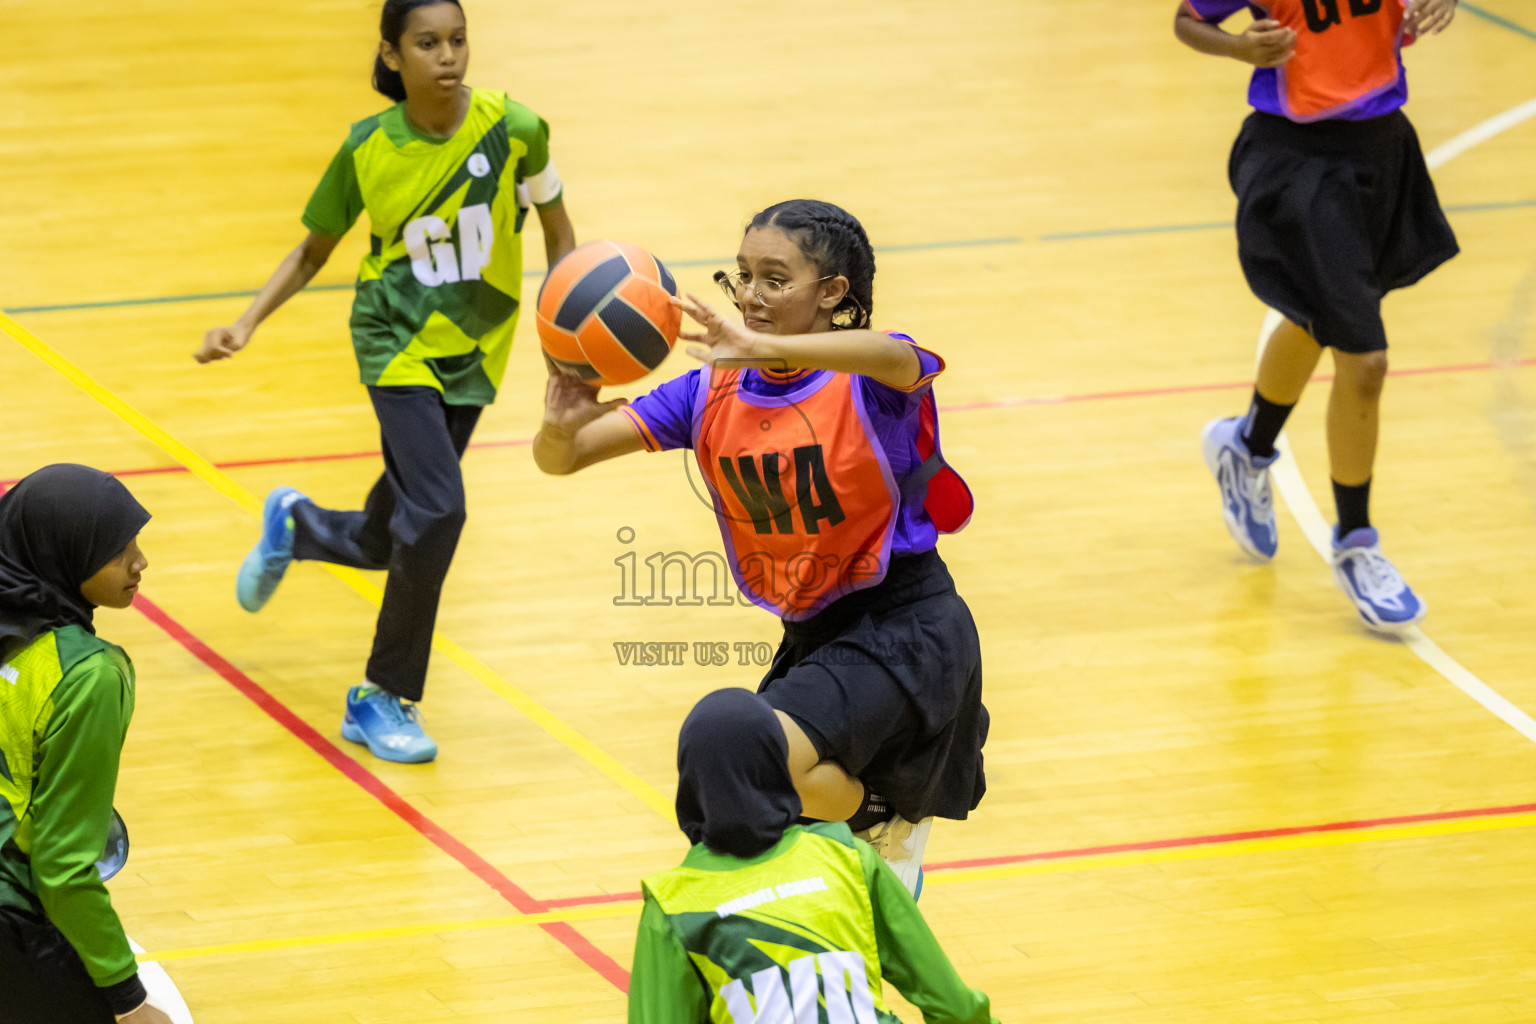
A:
[1218,225]
[721,261]
[1499,20]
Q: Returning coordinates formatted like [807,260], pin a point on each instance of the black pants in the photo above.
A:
[42,980]
[410,525]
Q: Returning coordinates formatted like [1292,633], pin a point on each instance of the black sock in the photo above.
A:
[870,813]
[1263,424]
[1354,505]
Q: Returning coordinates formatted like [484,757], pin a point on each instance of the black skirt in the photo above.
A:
[1332,215]
[887,683]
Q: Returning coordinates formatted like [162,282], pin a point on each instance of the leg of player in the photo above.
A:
[1239,450]
[1385,602]
[827,792]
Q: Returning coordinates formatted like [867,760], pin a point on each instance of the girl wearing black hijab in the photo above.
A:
[770,920]
[68,545]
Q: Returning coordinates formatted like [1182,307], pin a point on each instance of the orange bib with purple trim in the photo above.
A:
[1345,50]
[805,497]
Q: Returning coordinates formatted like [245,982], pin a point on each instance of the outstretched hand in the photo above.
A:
[720,339]
[1428,17]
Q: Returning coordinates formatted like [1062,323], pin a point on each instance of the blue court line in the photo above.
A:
[1218,225]
[1499,20]
[714,261]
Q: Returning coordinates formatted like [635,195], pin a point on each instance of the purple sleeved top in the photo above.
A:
[1359,74]
[665,418]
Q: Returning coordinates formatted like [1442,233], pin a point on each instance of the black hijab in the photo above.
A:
[734,792]
[58,527]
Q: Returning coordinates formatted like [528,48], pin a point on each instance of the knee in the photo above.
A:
[429,527]
[1363,374]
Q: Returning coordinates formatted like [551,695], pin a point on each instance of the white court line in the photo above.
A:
[1293,489]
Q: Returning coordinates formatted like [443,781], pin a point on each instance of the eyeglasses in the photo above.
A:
[767,290]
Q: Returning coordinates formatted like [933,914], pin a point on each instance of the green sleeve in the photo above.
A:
[533,131]
[663,986]
[911,958]
[72,809]
[337,201]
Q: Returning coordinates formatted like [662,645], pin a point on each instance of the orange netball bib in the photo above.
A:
[805,498]
[1346,50]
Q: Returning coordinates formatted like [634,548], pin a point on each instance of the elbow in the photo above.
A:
[551,465]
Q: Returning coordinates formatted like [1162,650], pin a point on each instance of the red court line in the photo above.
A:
[995,403]
[375,787]
[1153,844]
[1233,837]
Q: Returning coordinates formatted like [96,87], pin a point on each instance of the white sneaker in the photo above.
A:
[1247,500]
[900,844]
[1384,601]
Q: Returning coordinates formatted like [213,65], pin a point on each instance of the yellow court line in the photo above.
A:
[225,485]
[1315,840]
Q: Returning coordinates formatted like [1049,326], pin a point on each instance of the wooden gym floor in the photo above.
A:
[1213,796]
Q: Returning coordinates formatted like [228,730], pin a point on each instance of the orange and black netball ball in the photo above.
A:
[605,312]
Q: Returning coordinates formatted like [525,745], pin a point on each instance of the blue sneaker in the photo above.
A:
[1247,501]
[1385,602]
[263,568]
[387,725]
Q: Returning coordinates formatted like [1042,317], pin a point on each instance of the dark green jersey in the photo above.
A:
[438,293]
[804,932]
[65,703]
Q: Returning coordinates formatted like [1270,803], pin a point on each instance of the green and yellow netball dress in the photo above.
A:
[65,703]
[439,291]
[805,931]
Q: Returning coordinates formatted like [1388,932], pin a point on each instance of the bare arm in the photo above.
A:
[866,353]
[559,234]
[1265,43]
[578,430]
[297,269]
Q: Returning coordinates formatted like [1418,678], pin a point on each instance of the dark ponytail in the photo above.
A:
[833,239]
[391,28]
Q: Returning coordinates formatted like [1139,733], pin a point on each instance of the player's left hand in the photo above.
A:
[720,339]
[1428,17]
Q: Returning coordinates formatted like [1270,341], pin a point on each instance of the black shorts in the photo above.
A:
[887,683]
[42,980]
[1332,215]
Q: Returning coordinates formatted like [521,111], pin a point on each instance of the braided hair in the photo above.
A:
[834,240]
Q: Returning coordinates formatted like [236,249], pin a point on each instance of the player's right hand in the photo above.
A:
[1267,44]
[221,343]
[570,404]
[145,1014]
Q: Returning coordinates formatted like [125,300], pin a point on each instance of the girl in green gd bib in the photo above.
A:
[447,176]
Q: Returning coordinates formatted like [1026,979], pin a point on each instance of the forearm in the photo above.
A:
[867,353]
[1204,37]
[559,233]
[298,268]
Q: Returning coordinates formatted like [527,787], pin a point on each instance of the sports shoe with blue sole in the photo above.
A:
[263,568]
[1247,500]
[387,726]
[1384,601]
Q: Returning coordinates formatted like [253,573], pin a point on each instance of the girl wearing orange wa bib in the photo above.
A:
[818,440]
[1335,208]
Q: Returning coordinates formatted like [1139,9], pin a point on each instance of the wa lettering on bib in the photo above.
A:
[801,487]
